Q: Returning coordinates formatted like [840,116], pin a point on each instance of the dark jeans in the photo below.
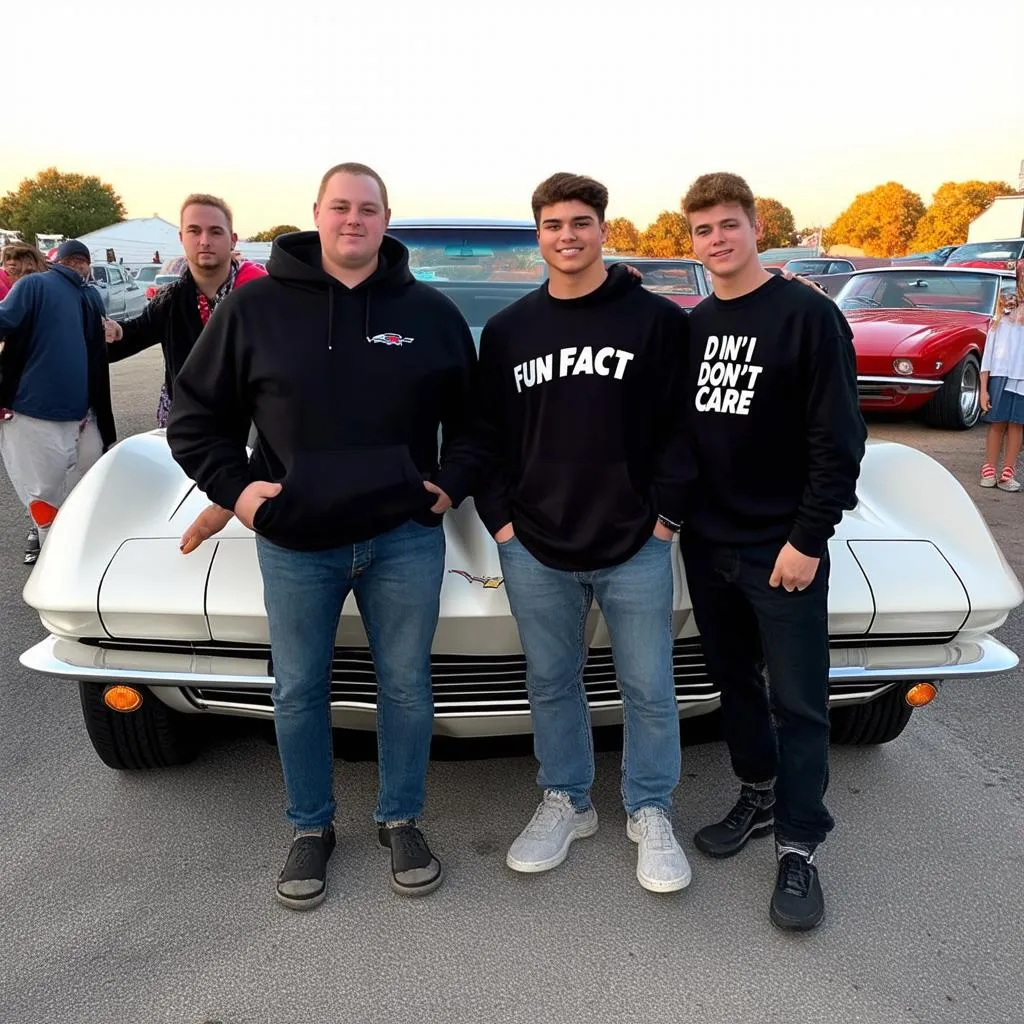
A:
[767,650]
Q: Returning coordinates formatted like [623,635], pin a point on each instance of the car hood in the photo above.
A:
[889,332]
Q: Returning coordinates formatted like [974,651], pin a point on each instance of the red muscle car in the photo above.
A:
[919,334]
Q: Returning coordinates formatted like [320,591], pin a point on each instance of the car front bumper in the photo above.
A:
[484,696]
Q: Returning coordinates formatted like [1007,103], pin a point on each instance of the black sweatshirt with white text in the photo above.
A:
[581,403]
[774,419]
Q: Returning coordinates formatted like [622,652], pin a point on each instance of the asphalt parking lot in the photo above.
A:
[148,897]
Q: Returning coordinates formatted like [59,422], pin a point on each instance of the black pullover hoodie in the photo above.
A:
[346,389]
[582,416]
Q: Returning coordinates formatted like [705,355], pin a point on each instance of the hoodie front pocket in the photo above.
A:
[325,491]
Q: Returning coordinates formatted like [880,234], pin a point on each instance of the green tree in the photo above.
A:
[667,237]
[54,202]
[779,226]
[622,235]
[881,222]
[271,233]
[953,207]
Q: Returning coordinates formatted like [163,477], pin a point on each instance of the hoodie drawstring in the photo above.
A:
[366,324]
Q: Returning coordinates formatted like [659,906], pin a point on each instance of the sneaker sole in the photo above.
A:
[987,482]
[759,831]
[653,884]
[418,890]
[531,867]
[787,925]
[301,903]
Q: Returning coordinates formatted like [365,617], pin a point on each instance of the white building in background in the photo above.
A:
[136,242]
[1004,219]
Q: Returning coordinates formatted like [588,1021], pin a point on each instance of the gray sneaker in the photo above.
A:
[661,865]
[544,843]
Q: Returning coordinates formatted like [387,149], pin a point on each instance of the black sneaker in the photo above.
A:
[415,871]
[797,903]
[303,880]
[751,817]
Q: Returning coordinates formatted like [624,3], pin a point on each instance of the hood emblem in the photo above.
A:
[488,582]
[390,339]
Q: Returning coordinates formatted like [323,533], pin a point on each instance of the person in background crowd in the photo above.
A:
[180,310]
[55,381]
[1002,389]
[18,260]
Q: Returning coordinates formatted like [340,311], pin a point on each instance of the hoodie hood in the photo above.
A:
[297,259]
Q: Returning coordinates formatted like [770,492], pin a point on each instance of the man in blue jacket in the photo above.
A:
[55,380]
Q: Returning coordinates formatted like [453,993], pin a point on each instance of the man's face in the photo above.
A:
[351,219]
[206,237]
[80,265]
[724,239]
[570,236]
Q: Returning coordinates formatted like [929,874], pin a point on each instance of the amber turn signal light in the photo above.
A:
[920,694]
[122,698]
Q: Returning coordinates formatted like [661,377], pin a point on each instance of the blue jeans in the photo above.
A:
[396,578]
[550,607]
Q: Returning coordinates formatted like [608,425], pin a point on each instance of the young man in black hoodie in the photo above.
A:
[581,401]
[343,490]
[778,437]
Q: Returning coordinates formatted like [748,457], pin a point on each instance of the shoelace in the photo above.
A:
[552,810]
[796,875]
[411,844]
[657,830]
[305,855]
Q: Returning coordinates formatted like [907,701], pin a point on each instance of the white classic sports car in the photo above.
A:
[154,637]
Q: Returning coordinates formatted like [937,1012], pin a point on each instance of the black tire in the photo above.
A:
[152,737]
[946,408]
[878,721]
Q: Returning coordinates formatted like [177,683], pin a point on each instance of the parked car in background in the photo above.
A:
[934,258]
[123,297]
[147,274]
[819,267]
[154,639]
[1001,255]
[920,333]
[685,282]
[158,282]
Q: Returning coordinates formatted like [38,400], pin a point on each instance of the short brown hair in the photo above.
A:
[360,170]
[204,199]
[564,188]
[721,187]
[27,254]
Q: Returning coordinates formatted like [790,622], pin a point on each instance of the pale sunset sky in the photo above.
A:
[465,105]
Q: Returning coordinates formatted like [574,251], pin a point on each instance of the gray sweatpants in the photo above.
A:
[45,459]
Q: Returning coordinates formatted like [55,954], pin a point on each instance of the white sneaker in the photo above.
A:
[661,865]
[545,842]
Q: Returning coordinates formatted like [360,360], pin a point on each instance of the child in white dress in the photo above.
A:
[1002,390]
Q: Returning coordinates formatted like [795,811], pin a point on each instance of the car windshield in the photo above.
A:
[147,273]
[987,251]
[807,266]
[669,277]
[964,293]
[480,269]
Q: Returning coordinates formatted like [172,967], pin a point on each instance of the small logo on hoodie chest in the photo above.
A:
[390,338]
